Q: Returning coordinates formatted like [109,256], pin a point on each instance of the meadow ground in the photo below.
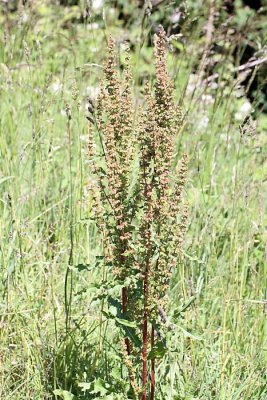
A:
[52,336]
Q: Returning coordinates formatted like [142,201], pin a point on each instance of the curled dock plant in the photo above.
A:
[138,206]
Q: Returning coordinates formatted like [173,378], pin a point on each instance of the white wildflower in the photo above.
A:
[244,110]
[97,4]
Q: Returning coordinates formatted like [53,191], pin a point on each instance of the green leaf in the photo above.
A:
[100,387]
[131,334]
[116,304]
[116,373]
[63,394]
[158,351]
[82,267]
[108,315]
[85,386]
[5,178]
[188,334]
[184,306]
[178,45]
[88,267]
[125,322]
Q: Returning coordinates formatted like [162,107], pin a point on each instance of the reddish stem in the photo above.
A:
[153,379]
[144,375]
[124,309]
[148,218]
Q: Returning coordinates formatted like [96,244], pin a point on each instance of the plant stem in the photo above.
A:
[148,218]
[144,374]
[153,381]
[124,309]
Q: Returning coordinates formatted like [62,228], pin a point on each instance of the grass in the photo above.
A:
[52,336]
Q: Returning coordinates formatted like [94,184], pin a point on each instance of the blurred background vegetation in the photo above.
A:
[54,340]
